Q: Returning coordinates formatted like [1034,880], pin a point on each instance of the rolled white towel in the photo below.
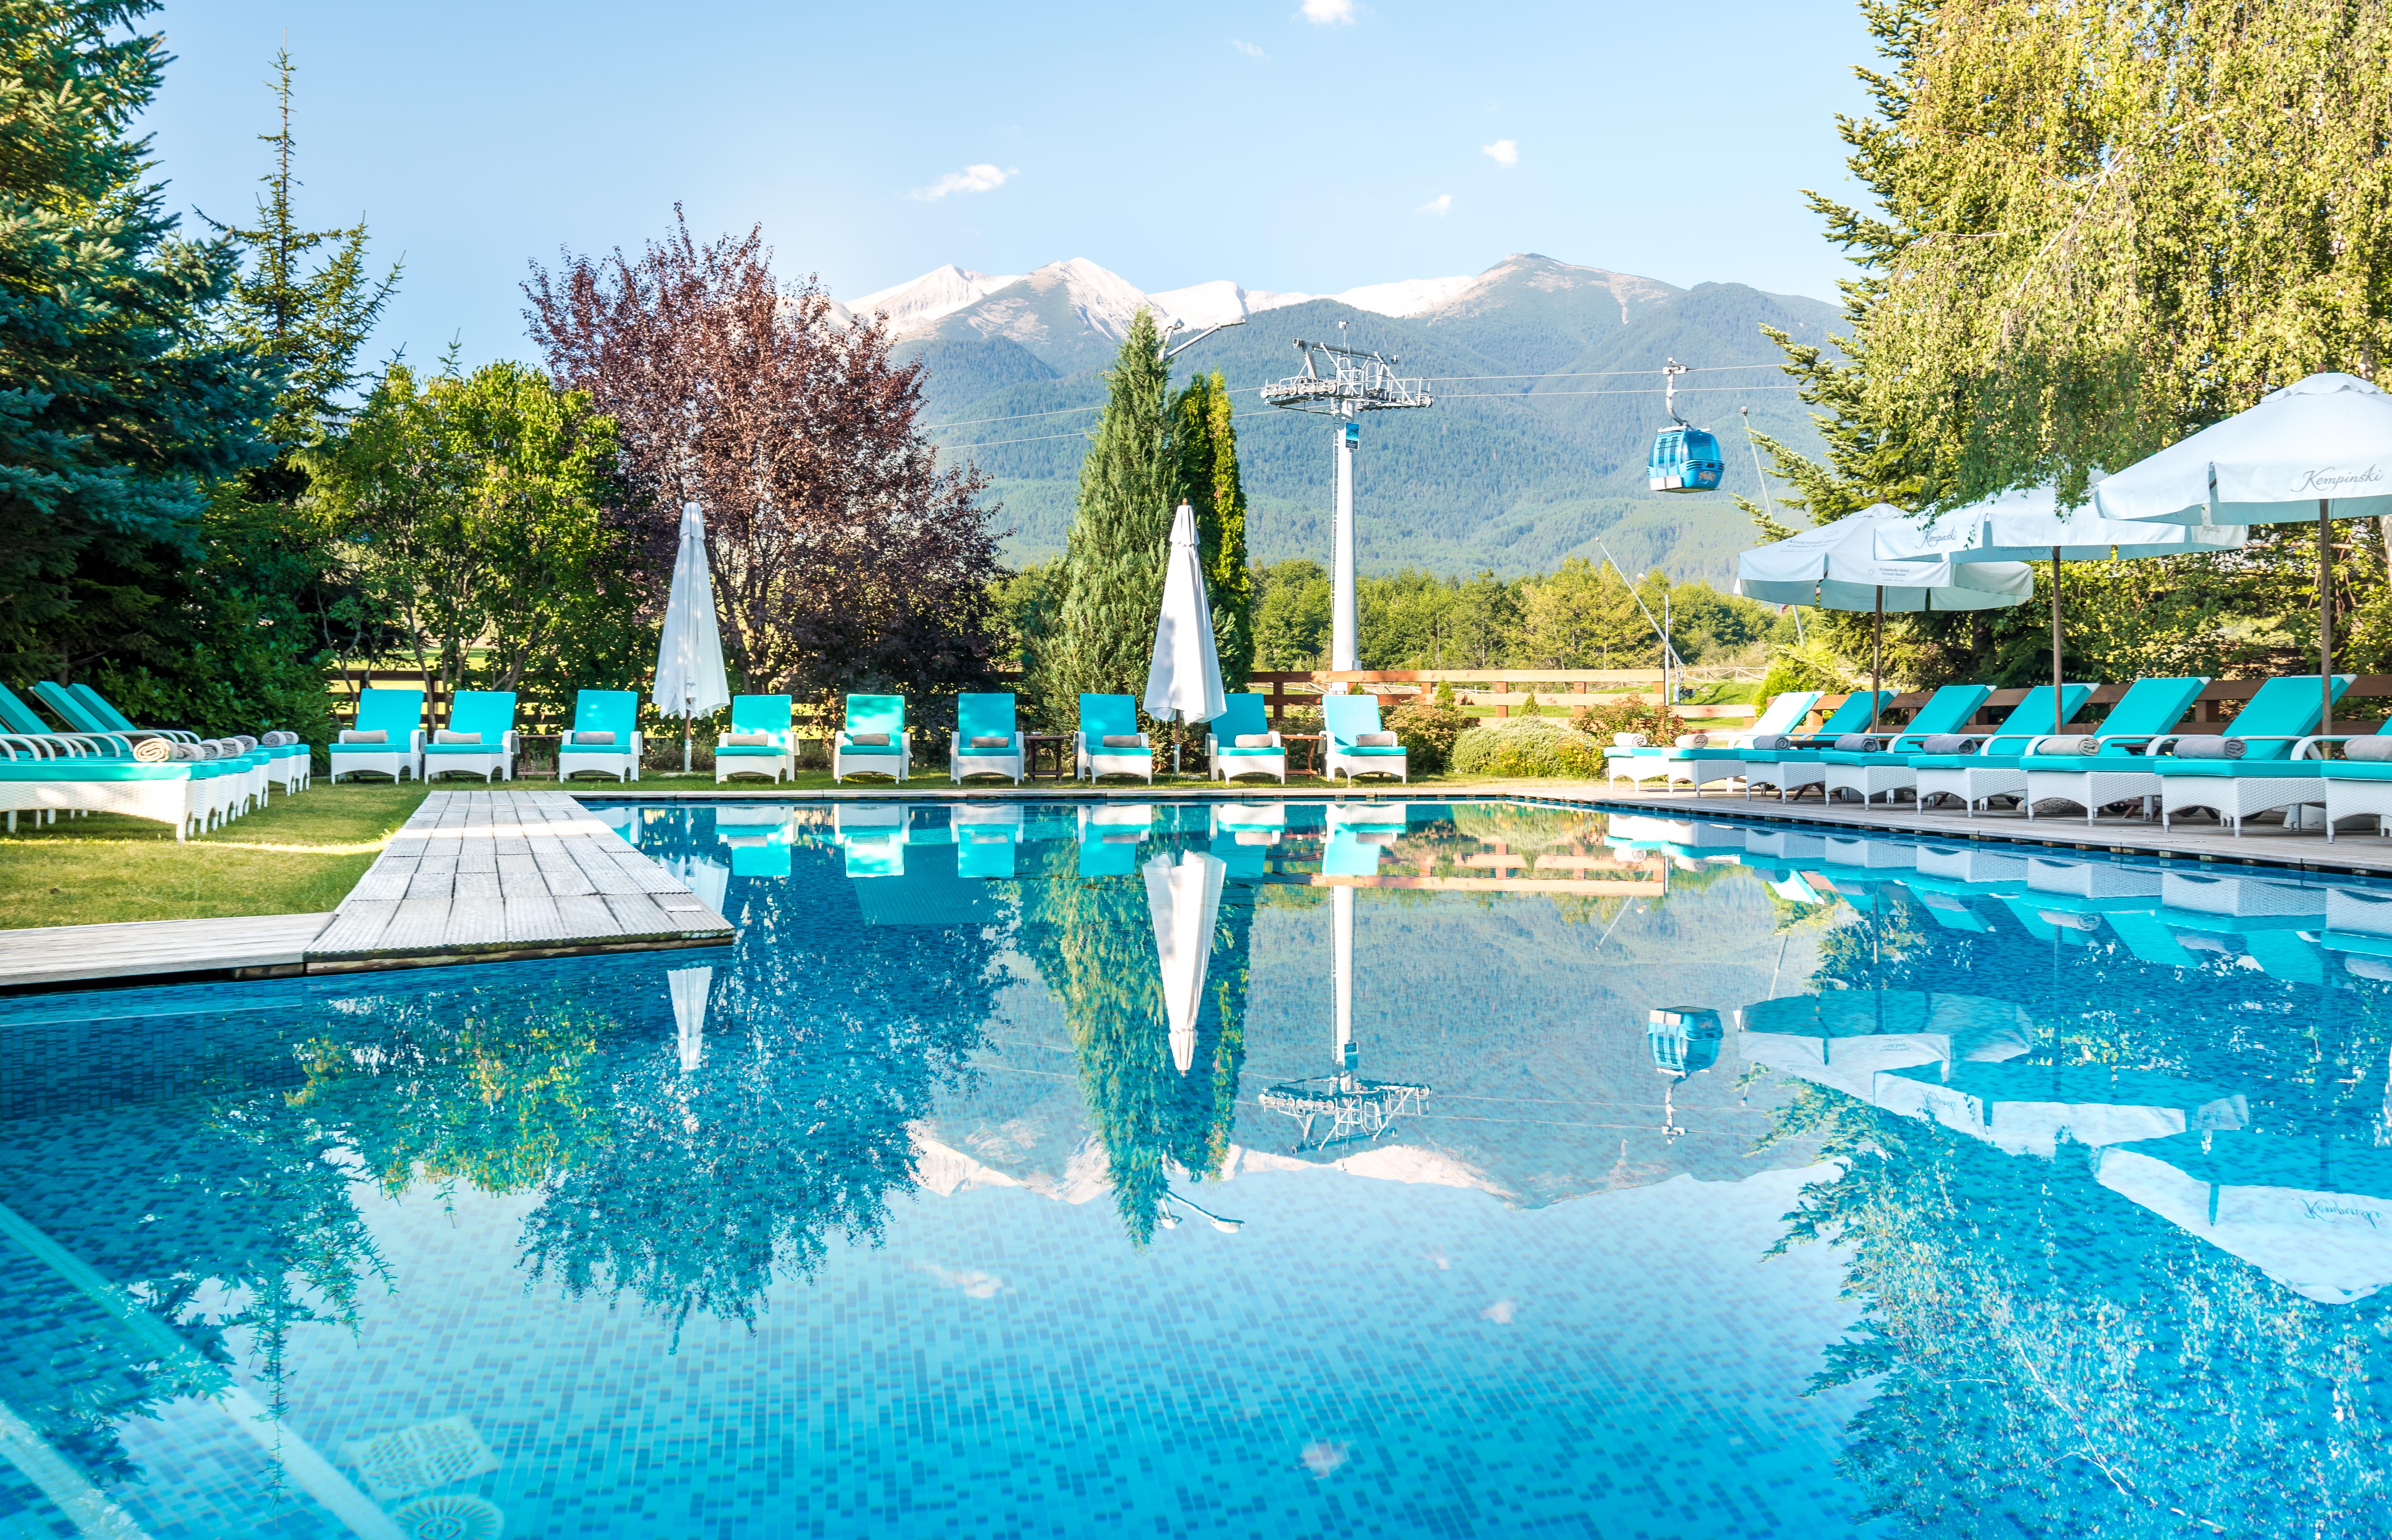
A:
[2377,747]
[1629,740]
[153,751]
[2074,742]
[184,753]
[2210,746]
[245,741]
[1693,740]
[1772,742]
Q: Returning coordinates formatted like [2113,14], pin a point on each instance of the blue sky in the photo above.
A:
[1305,145]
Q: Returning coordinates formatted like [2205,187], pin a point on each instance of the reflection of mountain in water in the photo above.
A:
[1524,1013]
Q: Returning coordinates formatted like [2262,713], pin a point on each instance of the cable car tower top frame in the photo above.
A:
[1343,383]
[1355,382]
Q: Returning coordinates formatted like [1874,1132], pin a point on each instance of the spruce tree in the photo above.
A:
[118,405]
[1209,480]
[1121,532]
[312,324]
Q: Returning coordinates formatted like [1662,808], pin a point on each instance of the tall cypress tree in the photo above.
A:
[1120,535]
[1209,480]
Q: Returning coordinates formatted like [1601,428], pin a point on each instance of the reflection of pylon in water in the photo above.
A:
[1351,1107]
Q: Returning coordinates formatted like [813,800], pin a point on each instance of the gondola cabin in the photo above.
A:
[1684,460]
[1684,1039]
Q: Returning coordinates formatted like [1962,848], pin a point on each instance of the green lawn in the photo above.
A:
[297,855]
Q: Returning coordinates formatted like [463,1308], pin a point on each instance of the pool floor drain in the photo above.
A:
[451,1518]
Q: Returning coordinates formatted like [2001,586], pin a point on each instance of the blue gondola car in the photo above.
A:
[1684,460]
[1684,1039]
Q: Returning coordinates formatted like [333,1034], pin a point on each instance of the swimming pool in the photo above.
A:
[1202,1167]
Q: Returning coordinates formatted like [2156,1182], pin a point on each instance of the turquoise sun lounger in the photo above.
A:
[1791,768]
[2270,724]
[2148,708]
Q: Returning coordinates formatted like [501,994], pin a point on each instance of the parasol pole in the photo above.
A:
[2325,615]
[2056,723]
[1877,661]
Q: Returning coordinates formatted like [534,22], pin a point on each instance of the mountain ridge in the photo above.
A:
[1547,376]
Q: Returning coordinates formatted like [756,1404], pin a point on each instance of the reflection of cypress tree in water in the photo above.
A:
[2050,1359]
[1093,944]
[793,1129]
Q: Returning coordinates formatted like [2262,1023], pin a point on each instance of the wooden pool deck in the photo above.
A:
[474,876]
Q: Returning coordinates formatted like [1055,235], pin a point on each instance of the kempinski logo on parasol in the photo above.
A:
[2332,483]
[2327,1209]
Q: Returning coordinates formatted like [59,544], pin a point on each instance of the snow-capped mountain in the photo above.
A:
[1104,302]
[910,308]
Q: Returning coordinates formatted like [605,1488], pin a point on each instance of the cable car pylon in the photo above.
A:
[1344,382]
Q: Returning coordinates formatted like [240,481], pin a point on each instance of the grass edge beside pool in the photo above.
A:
[297,855]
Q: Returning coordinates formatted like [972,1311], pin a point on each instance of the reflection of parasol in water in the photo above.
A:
[1185,899]
[689,987]
[1350,1107]
[2314,1214]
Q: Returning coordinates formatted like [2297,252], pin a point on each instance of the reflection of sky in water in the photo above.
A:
[973,1193]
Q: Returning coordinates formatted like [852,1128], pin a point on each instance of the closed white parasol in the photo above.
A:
[1184,681]
[690,681]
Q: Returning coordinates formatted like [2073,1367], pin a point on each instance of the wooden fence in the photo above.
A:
[2367,700]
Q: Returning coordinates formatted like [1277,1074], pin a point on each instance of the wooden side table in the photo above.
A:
[1312,750]
[1032,742]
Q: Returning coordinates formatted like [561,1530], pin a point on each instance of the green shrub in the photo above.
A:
[1428,731]
[1658,722]
[1809,665]
[1528,745]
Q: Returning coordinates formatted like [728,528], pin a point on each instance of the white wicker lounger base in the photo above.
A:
[2357,799]
[1637,769]
[2092,790]
[622,767]
[1249,764]
[1870,780]
[1971,786]
[395,765]
[844,765]
[776,766]
[961,765]
[180,803]
[1397,765]
[2235,798]
[487,766]
[1790,779]
[1138,762]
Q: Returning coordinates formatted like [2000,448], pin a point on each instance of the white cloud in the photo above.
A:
[1501,1313]
[1326,13]
[972,1283]
[979,178]
[1248,50]
[1441,205]
[1503,153]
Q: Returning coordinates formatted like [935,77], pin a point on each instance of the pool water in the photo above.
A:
[1381,1168]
